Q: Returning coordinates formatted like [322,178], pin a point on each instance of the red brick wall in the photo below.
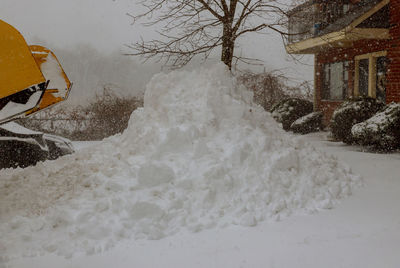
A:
[341,54]
[393,87]
[328,107]
[358,48]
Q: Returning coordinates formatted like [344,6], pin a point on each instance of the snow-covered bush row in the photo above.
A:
[352,112]
[382,131]
[308,123]
[289,110]
[198,155]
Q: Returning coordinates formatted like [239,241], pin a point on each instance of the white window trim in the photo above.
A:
[371,72]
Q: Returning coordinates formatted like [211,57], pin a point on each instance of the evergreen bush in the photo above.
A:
[352,112]
[381,131]
[308,123]
[289,110]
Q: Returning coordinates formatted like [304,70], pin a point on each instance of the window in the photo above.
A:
[363,77]
[370,75]
[346,8]
[381,69]
[335,80]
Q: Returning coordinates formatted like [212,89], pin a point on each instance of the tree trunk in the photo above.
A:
[228,45]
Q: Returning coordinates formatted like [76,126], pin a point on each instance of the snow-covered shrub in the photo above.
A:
[382,131]
[308,123]
[352,112]
[289,110]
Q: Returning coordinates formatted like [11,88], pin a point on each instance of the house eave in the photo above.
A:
[343,38]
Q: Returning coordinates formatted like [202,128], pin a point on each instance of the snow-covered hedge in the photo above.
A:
[308,123]
[382,131]
[289,110]
[352,112]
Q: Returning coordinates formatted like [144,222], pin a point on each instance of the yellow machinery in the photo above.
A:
[31,78]
[59,85]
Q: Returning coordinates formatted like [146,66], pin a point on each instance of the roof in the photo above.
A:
[345,30]
[361,8]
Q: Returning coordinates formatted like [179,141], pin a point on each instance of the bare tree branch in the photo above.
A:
[197,27]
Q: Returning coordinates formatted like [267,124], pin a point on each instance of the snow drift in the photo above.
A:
[199,155]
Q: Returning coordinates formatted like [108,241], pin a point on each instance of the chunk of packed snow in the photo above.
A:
[16,128]
[14,108]
[199,155]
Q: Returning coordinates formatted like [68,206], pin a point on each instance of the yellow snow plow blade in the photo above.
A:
[22,84]
[18,69]
[59,85]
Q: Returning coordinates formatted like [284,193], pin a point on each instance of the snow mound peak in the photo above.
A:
[199,155]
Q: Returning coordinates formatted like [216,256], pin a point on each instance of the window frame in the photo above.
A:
[371,72]
[326,89]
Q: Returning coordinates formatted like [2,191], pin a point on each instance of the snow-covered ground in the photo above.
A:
[362,231]
[202,177]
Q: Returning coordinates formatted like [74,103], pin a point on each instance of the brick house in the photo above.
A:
[356,47]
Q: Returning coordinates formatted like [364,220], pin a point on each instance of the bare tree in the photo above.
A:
[197,27]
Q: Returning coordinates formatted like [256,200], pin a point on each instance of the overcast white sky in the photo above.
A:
[105,25]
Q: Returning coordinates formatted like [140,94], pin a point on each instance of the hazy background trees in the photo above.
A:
[272,87]
[107,88]
[91,70]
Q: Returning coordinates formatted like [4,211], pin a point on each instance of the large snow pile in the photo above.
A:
[198,155]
